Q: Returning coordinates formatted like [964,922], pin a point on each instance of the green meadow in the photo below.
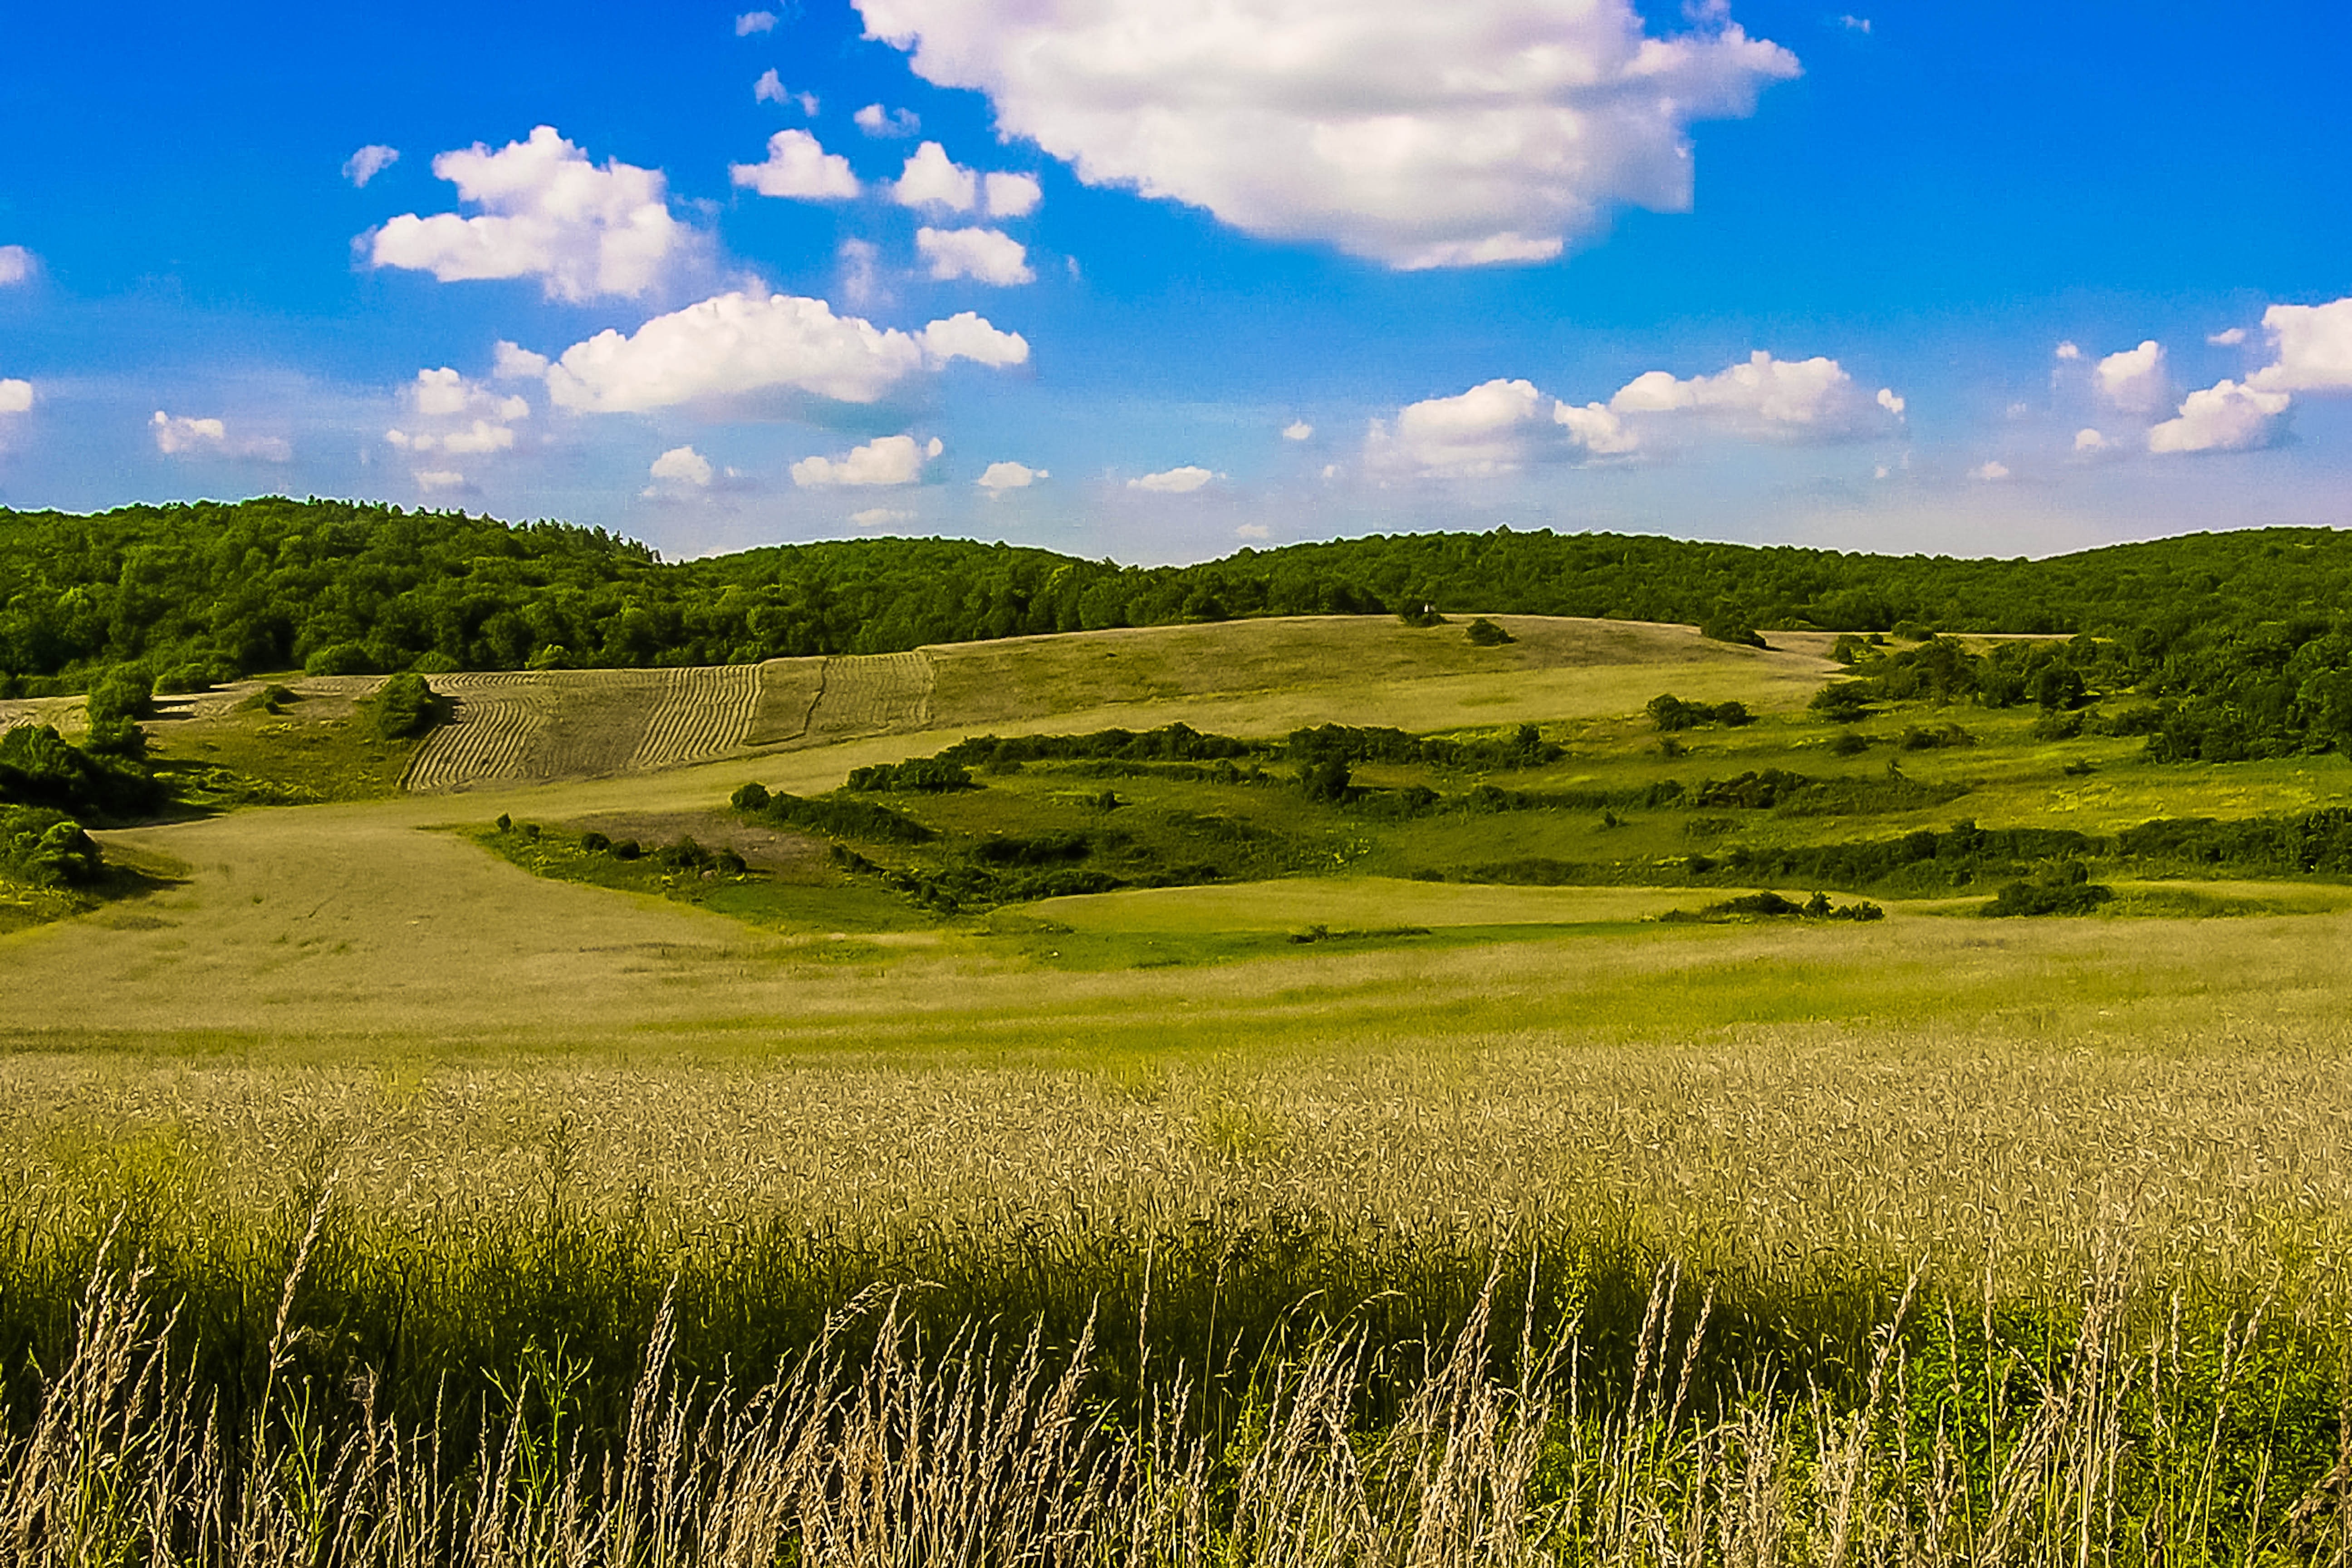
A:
[1288,1091]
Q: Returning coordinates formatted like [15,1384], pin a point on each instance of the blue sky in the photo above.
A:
[1125,279]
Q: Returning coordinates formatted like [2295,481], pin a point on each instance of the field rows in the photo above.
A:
[515,726]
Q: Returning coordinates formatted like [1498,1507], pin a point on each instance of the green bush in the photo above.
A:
[406,707]
[1484,633]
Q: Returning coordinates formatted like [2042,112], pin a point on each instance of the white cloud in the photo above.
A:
[880,517]
[931,179]
[2223,418]
[967,335]
[984,254]
[439,480]
[1411,134]
[884,460]
[1990,471]
[876,121]
[1253,531]
[1002,477]
[738,343]
[456,418]
[1298,430]
[1472,435]
[549,214]
[683,466]
[1174,481]
[15,264]
[512,362]
[2136,380]
[368,162]
[1013,195]
[15,395]
[1763,395]
[2313,347]
[752,22]
[770,88]
[2229,338]
[1596,428]
[2069,349]
[2089,440]
[1854,23]
[797,166]
[177,436]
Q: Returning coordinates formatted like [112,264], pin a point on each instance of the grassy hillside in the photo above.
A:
[1367,1111]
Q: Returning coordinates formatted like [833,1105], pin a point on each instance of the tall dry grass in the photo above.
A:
[2126,1443]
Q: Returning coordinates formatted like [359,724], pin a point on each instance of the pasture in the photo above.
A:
[1295,1175]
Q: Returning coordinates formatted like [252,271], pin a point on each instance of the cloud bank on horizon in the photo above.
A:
[1247,273]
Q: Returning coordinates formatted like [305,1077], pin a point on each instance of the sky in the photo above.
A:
[1155,282]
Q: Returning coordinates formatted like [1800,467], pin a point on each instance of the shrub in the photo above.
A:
[1670,712]
[1851,743]
[927,774]
[406,707]
[2054,888]
[341,658]
[751,797]
[595,843]
[1484,633]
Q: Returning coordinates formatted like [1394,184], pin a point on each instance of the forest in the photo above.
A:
[2242,639]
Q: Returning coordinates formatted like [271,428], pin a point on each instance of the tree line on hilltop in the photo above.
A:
[2245,636]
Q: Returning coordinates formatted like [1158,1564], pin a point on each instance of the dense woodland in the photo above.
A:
[2242,640]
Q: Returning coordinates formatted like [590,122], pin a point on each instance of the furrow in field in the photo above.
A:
[488,738]
[874,694]
[702,712]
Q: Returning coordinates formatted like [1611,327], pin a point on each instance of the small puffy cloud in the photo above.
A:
[1763,395]
[15,264]
[1990,471]
[1013,195]
[512,362]
[884,460]
[456,417]
[1002,477]
[931,179]
[752,22]
[1854,23]
[548,212]
[1253,531]
[2069,349]
[770,88]
[2136,380]
[1472,435]
[2312,349]
[683,466]
[739,343]
[1174,481]
[368,162]
[2229,338]
[967,335]
[15,395]
[176,435]
[2089,440]
[1298,430]
[875,120]
[1414,135]
[798,167]
[2223,418]
[983,255]
[1596,428]
[880,517]
[440,479]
